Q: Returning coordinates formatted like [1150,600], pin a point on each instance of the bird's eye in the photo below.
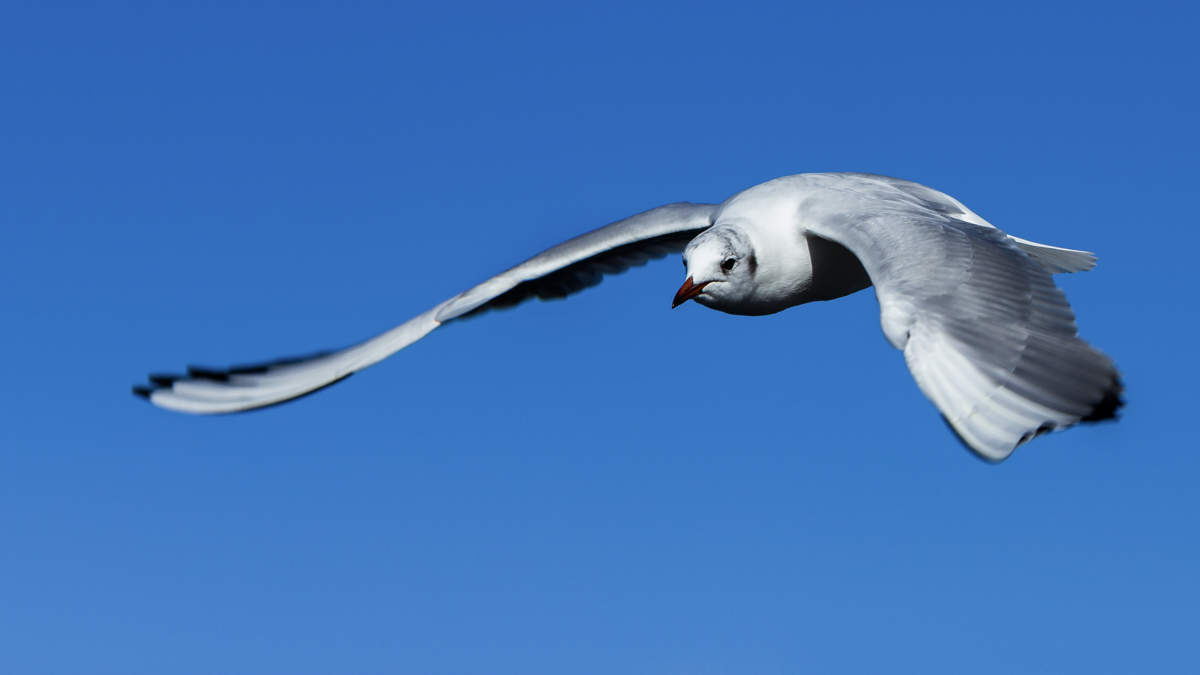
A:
[729,264]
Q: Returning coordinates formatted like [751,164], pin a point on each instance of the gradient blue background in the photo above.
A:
[599,485]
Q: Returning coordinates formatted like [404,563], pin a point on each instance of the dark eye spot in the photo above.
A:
[729,264]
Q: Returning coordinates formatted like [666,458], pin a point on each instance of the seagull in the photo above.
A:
[988,337]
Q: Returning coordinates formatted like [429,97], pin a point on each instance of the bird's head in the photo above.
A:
[720,266]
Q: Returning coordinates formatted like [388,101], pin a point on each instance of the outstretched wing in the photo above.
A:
[556,273]
[985,332]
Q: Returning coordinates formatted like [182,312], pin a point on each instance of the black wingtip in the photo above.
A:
[157,381]
[202,373]
[260,368]
[1109,407]
[163,381]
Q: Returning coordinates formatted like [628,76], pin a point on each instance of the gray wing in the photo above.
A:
[556,273]
[1055,259]
[986,334]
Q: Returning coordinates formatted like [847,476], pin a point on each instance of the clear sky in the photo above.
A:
[598,485]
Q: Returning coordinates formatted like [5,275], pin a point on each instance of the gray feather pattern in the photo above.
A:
[985,332]
[557,272]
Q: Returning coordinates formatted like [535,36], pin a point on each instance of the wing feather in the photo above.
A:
[558,272]
[987,336]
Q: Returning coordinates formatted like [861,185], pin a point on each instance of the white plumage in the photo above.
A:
[988,337]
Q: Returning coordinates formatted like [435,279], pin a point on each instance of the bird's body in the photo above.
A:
[986,334]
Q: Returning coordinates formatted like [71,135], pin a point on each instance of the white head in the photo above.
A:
[721,267]
[759,257]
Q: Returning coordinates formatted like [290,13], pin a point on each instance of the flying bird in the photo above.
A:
[986,334]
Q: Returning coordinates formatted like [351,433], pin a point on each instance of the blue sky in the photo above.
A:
[600,485]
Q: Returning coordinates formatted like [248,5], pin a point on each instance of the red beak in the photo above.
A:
[687,292]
